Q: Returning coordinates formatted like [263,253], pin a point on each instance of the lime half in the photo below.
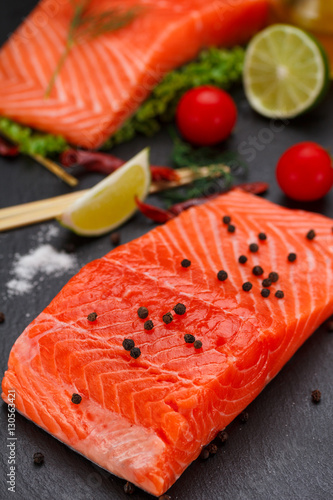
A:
[112,201]
[286,71]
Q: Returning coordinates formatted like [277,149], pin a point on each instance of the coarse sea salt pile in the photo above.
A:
[43,260]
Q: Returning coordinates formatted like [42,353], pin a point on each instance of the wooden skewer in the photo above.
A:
[56,169]
[42,210]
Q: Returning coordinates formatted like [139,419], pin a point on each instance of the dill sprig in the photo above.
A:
[85,26]
[220,179]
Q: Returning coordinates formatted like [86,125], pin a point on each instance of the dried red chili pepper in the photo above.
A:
[7,149]
[105,163]
[160,215]
[154,213]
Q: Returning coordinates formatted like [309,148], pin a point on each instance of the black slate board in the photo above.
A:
[284,451]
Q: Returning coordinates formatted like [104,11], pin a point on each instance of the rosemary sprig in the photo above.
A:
[85,26]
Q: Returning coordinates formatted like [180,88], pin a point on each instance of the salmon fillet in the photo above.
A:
[105,79]
[147,419]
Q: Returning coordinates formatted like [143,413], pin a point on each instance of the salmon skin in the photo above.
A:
[105,79]
[147,419]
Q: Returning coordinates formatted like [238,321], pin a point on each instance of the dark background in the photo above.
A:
[284,451]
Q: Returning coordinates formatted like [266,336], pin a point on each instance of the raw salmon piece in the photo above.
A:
[147,419]
[105,79]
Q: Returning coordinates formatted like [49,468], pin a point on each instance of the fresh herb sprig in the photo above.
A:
[85,26]
[186,155]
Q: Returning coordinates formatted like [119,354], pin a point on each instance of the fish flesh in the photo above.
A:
[147,419]
[106,78]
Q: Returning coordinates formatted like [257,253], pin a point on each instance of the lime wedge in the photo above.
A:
[112,201]
[286,71]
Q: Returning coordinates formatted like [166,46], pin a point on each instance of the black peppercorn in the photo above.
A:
[222,275]
[242,259]
[273,277]
[257,270]
[231,228]
[185,263]
[212,448]
[204,454]
[148,325]
[2,317]
[226,219]
[115,239]
[265,292]
[38,458]
[292,257]
[143,312]
[128,344]
[266,283]
[262,236]
[76,399]
[180,309]
[223,436]
[316,396]
[311,235]
[189,339]
[279,294]
[167,318]
[247,286]
[135,352]
[253,247]
[129,488]
[197,344]
[92,317]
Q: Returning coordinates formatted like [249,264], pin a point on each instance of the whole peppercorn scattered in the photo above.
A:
[129,488]
[316,396]
[70,247]
[167,318]
[257,270]
[247,286]
[311,235]
[265,292]
[76,399]
[222,275]
[143,312]
[262,236]
[231,228]
[180,309]
[148,325]
[128,344]
[92,317]
[212,448]
[197,344]
[223,436]
[266,283]
[115,239]
[165,497]
[226,219]
[292,257]
[185,263]
[279,294]
[2,317]
[38,458]
[330,326]
[274,277]
[253,247]
[135,352]
[244,417]
[204,454]
[242,259]
[189,339]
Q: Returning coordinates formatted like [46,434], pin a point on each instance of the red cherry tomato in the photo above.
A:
[206,115]
[304,172]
